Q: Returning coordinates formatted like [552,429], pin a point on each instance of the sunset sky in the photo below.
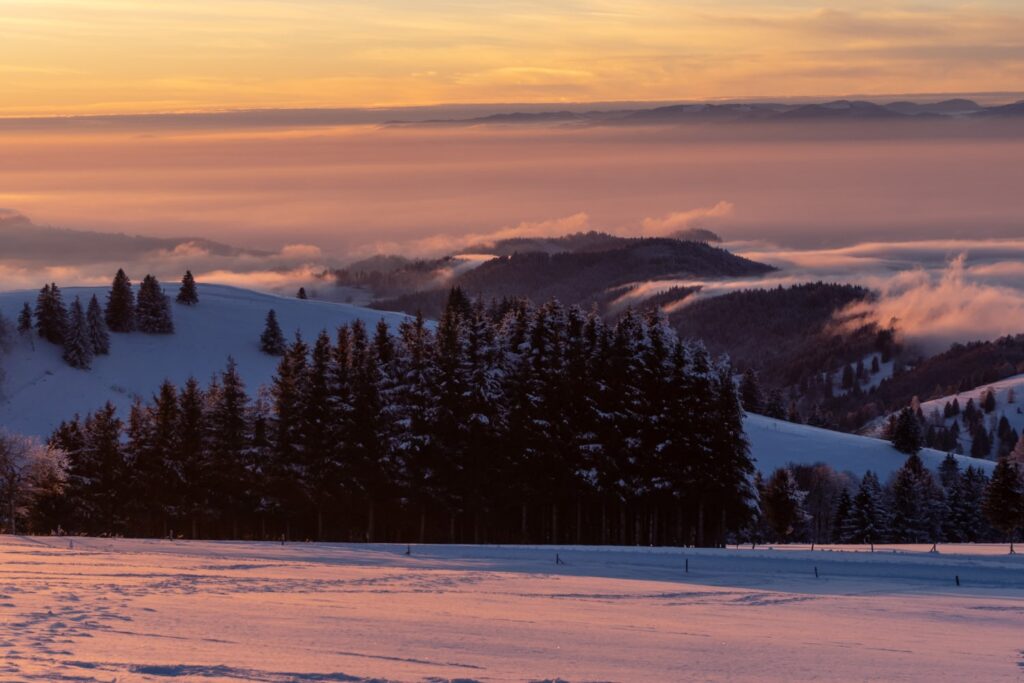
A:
[118,56]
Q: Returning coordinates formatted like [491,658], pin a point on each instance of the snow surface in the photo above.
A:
[147,610]
[41,390]
[777,443]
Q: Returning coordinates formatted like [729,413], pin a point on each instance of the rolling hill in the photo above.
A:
[41,390]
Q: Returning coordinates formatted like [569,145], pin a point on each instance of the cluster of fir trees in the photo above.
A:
[815,504]
[84,332]
[506,422]
[990,437]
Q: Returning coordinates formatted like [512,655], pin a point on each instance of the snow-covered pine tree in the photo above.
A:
[78,352]
[120,310]
[25,319]
[187,293]
[731,453]
[867,521]
[916,504]
[98,474]
[906,434]
[99,337]
[152,308]
[302,293]
[272,340]
[51,316]
[1004,499]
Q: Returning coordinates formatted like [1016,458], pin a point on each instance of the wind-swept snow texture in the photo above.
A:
[41,389]
[133,610]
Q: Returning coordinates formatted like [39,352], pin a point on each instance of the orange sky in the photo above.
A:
[113,56]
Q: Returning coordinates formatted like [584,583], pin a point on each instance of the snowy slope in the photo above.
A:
[1011,388]
[1009,395]
[41,390]
[776,443]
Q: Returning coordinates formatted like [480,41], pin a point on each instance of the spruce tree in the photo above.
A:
[272,340]
[51,317]
[152,309]
[906,433]
[1004,499]
[99,337]
[78,352]
[916,504]
[867,521]
[228,468]
[25,319]
[120,311]
[187,294]
[302,293]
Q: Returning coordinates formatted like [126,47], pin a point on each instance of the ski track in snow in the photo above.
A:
[157,610]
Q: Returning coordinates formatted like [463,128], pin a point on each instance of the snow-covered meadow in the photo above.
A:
[159,610]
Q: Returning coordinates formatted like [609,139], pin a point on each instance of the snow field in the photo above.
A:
[147,610]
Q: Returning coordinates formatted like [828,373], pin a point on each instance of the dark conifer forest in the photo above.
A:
[502,423]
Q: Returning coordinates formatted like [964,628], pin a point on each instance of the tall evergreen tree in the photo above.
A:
[152,308]
[867,521]
[99,337]
[228,467]
[272,340]
[916,504]
[51,316]
[187,293]
[1004,499]
[78,352]
[120,311]
[193,483]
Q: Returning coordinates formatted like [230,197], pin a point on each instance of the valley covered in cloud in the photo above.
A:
[926,213]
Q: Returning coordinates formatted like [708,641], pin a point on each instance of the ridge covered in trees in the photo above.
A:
[584,277]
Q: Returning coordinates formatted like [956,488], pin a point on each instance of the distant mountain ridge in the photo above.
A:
[835,110]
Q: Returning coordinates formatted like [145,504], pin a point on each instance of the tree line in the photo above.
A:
[506,422]
[813,503]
